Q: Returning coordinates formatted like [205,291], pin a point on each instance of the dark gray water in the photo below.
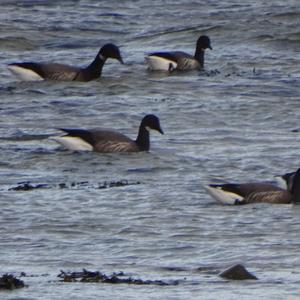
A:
[235,121]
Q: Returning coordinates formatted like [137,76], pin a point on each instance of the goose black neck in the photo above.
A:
[143,139]
[199,56]
[296,187]
[95,68]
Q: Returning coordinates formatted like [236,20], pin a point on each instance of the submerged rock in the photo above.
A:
[9,282]
[237,272]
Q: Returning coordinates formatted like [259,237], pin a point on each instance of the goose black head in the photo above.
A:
[203,43]
[111,51]
[152,122]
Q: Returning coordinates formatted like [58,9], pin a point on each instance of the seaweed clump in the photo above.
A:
[28,186]
[9,282]
[115,278]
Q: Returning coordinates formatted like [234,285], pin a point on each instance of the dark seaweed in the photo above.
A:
[115,278]
[9,282]
[28,186]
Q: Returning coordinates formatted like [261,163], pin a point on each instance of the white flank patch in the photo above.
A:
[73,143]
[281,182]
[25,74]
[157,63]
[222,196]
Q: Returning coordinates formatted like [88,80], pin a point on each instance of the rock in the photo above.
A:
[237,272]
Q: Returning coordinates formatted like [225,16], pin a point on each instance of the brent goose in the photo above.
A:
[256,192]
[106,141]
[178,60]
[31,71]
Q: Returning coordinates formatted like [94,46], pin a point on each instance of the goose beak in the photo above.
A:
[160,130]
[210,47]
[120,60]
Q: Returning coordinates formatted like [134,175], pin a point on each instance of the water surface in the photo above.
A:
[235,121]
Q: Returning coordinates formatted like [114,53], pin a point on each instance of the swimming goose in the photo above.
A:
[178,60]
[106,141]
[245,193]
[31,71]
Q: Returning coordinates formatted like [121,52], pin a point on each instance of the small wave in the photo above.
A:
[16,43]
[19,136]
[288,15]
[174,30]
